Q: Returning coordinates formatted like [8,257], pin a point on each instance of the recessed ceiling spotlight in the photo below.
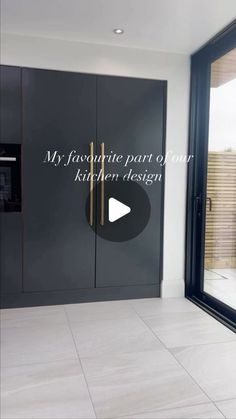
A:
[118,31]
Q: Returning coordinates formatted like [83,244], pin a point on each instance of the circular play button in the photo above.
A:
[126,209]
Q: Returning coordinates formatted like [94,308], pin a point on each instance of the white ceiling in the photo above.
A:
[180,26]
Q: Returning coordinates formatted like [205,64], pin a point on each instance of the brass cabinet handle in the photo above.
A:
[91,186]
[102,184]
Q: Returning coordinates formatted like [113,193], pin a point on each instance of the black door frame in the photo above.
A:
[197,174]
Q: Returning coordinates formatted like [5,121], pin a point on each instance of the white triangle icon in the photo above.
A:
[116,210]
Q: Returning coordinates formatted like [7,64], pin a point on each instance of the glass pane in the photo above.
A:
[220,235]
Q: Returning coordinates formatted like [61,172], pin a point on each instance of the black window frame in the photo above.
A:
[197,174]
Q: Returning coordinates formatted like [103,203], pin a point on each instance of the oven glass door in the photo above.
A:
[10,178]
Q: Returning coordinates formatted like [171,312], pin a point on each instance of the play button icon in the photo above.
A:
[116,210]
[126,207]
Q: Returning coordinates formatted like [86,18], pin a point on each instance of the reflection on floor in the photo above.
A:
[143,359]
[221,283]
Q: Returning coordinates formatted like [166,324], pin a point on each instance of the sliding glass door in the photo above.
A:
[220,220]
[211,219]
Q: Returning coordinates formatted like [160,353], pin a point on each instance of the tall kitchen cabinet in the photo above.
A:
[130,121]
[10,222]
[63,258]
[60,115]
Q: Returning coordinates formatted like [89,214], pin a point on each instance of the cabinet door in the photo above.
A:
[10,104]
[131,119]
[11,252]
[59,115]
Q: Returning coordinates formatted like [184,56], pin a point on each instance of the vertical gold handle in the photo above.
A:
[102,184]
[91,186]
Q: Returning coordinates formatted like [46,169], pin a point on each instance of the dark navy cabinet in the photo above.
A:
[11,252]
[49,254]
[131,119]
[59,246]
[10,222]
[10,105]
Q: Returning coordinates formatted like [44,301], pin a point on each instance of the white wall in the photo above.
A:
[102,59]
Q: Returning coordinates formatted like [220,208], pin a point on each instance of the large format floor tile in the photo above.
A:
[213,367]
[124,385]
[33,316]
[28,345]
[129,372]
[200,411]
[104,310]
[45,391]
[193,328]
[113,336]
[155,306]
[228,408]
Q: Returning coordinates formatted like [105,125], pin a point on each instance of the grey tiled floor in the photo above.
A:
[141,359]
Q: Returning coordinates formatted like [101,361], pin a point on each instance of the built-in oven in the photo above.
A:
[10,177]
